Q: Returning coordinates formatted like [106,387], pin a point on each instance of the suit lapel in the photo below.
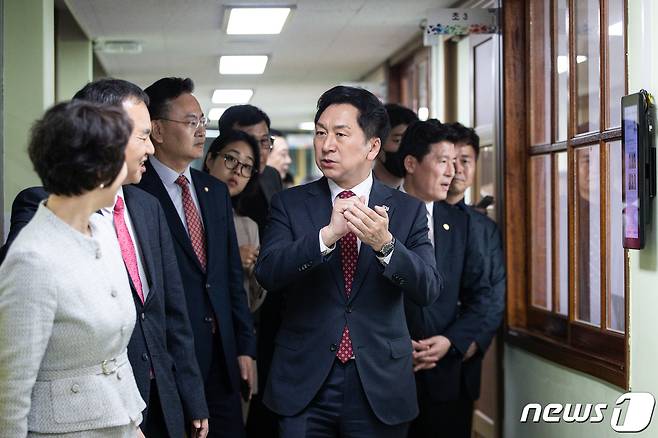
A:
[319,206]
[141,226]
[151,183]
[379,195]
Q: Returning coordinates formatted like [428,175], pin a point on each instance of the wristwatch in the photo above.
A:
[387,248]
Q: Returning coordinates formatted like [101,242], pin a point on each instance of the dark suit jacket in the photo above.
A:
[459,312]
[162,339]
[22,209]
[316,308]
[494,261]
[216,296]
[254,202]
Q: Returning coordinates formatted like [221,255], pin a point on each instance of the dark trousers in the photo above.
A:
[261,422]
[225,419]
[153,424]
[340,409]
[448,419]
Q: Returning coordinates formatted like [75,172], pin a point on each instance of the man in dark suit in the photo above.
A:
[161,348]
[467,148]
[344,251]
[198,210]
[444,330]
[22,210]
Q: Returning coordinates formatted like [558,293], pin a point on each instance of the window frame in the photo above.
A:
[594,350]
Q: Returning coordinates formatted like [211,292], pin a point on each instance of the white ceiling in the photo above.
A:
[322,44]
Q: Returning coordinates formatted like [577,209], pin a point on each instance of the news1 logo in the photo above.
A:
[637,407]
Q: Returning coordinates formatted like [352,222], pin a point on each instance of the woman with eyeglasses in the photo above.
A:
[234,159]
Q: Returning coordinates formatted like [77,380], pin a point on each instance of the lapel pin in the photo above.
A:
[205,189]
[385,207]
[446,227]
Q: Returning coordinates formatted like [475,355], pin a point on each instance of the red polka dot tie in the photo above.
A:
[194,225]
[127,249]
[348,258]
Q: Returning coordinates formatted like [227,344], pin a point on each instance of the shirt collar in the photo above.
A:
[428,205]
[361,189]
[167,174]
[110,210]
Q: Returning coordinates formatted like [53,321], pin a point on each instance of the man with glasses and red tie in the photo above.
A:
[199,213]
[344,252]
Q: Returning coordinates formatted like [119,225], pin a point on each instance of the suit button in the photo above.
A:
[113,293]
[333,347]
[348,309]
[145,357]
[208,319]
[143,316]
[207,285]
[119,376]
[75,388]
[123,329]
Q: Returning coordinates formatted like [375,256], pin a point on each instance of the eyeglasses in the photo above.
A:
[192,124]
[266,143]
[245,170]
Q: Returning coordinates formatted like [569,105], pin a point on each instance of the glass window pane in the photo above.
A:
[563,233]
[616,61]
[588,230]
[616,260]
[588,77]
[540,72]
[562,66]
[485,83]
[540,235]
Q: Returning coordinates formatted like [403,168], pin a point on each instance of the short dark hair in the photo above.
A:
[276,133]
[372,116]
[79,145]
[231,136]
[466,136]
[111,91]
[164,90]
[417,139]
[242,115]
[399,115]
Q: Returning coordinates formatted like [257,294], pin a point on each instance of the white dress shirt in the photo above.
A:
[430,215]
[108,214]
[361,189]
[168,176]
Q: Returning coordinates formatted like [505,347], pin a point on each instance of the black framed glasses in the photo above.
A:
[245,170]
[266,143]
[192,124]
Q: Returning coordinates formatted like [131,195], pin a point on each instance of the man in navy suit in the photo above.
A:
[161,348]
[198,210]
[444,330]
[344,252]
[467,149]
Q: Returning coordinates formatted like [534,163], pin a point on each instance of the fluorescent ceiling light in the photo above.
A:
[307,126]
[256,21]
[562,64]
[232,96]
[581,58]
[215,113]
[423,113]
[212,133]
[242,65]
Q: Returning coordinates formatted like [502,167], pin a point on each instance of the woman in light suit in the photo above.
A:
[66,310]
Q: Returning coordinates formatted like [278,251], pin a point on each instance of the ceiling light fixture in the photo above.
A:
[256,21]
[242,65]
[215,113]
[232,96]
[307,126]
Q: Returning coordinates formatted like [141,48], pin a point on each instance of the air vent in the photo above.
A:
[118,47]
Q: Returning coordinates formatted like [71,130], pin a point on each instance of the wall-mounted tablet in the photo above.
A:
[639,166]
